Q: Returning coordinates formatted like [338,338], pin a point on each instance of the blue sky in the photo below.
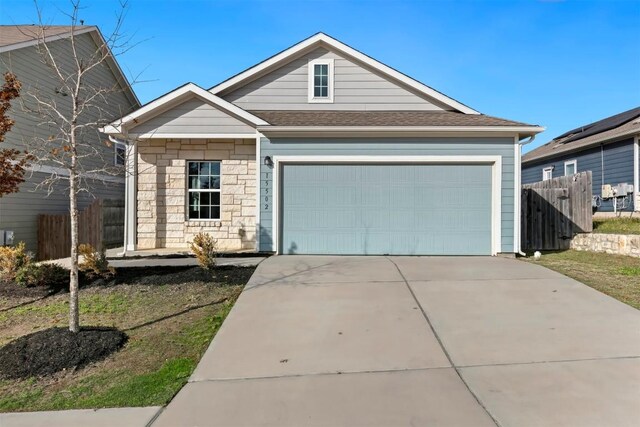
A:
[559,64]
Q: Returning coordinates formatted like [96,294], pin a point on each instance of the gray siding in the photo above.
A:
[397,146]
[617,159]
[19,211]
[356,88]
[191,117]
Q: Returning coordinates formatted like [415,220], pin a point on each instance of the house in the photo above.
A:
[19,55]
[321,149]
[608,148]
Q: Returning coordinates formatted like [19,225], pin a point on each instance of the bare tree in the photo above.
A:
[72,115]
[12,161]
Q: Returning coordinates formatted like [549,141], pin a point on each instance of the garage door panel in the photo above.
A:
[386,209]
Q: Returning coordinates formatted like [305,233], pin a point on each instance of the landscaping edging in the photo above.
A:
[617,244]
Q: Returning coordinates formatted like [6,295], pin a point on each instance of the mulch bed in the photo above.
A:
[171,275]
[56,349]
[13,290]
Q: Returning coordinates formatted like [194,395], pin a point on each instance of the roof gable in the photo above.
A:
[321,40]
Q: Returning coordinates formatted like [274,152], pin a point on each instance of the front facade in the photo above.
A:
[322,150]
[609,148]
[19,54]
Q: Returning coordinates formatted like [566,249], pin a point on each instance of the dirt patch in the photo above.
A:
[56,349]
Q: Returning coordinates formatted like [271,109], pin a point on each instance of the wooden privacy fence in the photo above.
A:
[100,224]
[554,210]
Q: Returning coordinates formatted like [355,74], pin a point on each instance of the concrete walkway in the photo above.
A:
[121,417]
[393,341]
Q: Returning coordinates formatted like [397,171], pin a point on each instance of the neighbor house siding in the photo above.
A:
[609,164]
[18,212]
[355,88]
[193,117]
[388,147]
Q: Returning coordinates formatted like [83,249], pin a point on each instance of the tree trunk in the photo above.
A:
[74,315]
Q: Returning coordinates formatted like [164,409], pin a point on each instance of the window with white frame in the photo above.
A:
[547,173]
[570,167]
[321,80]
[120,153]
[204,190]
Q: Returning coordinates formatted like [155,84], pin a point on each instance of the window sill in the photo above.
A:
[203,223]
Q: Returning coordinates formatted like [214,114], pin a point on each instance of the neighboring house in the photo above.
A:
[321,149]
[19,54]
[608,148]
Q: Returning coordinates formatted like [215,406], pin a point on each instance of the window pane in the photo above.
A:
[193,168]
[193,182]
[194,199]
[324,81]
[316,80]
[215,198]
[324,92]
[203,182]
[204,198]
[215,182]
[204,168]
[317,92]
[215,212]
[193,212]
[204,212]
[214,168]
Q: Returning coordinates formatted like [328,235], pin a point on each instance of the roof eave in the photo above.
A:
[383,131]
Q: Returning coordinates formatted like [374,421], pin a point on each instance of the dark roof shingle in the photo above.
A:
[379,118]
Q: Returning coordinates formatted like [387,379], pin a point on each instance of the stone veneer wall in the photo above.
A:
[619,244]
[162,189]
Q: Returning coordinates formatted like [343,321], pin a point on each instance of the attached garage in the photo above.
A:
[378,208]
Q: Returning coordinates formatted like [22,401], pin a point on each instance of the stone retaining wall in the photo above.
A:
[619,244]
[162,189]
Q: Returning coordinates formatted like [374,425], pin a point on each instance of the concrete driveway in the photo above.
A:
[397,341]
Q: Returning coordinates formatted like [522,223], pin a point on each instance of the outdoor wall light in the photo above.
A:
[268,161]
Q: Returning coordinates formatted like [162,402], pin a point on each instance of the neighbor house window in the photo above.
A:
[204,190]
[570,167]
[321,80]
[547,173]
[120,153]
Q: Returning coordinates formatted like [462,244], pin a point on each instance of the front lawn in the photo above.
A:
[617,226]
[615,275]
[169,314]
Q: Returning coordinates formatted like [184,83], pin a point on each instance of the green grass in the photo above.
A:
[615,275]
[617,226]
[169,328]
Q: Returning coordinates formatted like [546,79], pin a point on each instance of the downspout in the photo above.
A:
[518,176]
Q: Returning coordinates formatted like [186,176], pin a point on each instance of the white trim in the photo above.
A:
[636,174]
[192,135]
[176,97]
[382,131]
[545,170]
[323,39]
[573,162]
[311,80]
[65,172]
[131,199]
[47,39]
[496,183]
[517,175]
[258,188]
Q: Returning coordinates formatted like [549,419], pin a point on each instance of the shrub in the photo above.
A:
[50,275]
[12,259]
[205,248]
[94,262]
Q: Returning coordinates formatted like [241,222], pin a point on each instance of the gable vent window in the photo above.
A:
[321,80]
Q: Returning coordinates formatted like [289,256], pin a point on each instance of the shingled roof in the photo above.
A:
[379,118]
[626,124]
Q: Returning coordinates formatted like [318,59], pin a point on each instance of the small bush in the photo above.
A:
[205,248]
[49,275]
[12,259]
[95,263]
